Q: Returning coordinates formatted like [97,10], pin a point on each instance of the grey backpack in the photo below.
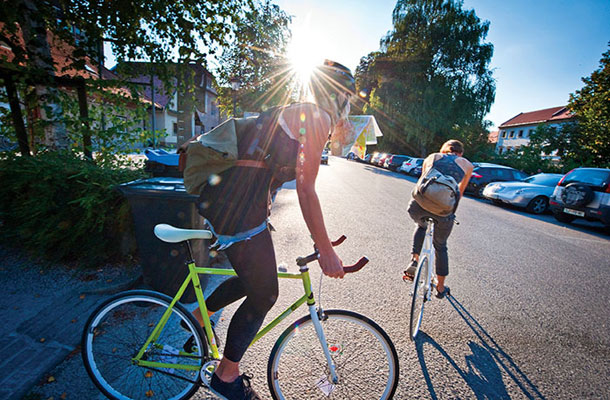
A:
[437,193]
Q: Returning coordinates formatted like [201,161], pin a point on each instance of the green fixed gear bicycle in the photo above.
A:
[142,344]
[424,281]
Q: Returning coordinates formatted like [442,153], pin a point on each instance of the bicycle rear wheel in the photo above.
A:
[420,291]
[365,359]
[117,330]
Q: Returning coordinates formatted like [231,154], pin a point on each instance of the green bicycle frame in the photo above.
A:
[193,276]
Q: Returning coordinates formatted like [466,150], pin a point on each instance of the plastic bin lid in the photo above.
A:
[162,157]
[160,186]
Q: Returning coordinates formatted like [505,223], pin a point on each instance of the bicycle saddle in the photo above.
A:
[171,234]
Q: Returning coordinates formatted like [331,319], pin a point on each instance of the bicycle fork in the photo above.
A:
[315,318]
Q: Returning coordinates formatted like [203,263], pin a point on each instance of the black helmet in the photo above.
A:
[332,85]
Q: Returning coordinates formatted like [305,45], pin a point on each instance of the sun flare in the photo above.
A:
[304,53]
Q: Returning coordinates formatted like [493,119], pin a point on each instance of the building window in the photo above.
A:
[530,132]
[512,134]
[500,149]
[175,128]
[503,134]
[520,133]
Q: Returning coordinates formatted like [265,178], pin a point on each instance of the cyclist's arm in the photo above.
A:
[308,165]
[468,168]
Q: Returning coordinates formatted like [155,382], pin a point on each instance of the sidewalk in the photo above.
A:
[43,309]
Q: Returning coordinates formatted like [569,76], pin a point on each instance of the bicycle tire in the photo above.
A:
[115,332]
[366,360]
[420,288]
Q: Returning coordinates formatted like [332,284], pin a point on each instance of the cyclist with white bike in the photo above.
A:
[448,161]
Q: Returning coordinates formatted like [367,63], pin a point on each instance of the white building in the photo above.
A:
[516,132]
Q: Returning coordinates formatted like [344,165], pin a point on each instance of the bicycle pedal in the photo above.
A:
[207,371]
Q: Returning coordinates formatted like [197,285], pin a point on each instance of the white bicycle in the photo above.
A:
[424,281]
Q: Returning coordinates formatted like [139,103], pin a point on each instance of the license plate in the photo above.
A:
[574,212]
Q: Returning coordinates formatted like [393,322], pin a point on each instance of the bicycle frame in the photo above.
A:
[193,277]
[428,251]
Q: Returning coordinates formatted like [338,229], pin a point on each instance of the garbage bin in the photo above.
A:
[165,200]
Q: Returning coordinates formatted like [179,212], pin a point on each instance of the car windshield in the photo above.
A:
[543,180]
[597,178]
[419,161]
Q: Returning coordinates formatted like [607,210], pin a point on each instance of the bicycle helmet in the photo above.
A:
[332,85]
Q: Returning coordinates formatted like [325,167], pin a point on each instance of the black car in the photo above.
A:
[584,193]
[485,173]
[395,161]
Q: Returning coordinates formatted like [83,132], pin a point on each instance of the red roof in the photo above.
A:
[533,117]
[492,137]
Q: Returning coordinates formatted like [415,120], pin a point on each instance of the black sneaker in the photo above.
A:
[239,389]
[410,272]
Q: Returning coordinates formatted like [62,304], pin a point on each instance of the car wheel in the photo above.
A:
[563,217]
[479,192]
[538,205]
[497,202]
[577,195]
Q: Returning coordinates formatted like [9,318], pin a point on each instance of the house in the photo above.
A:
[178,113]
[516,132]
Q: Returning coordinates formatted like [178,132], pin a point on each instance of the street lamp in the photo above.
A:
[235,84]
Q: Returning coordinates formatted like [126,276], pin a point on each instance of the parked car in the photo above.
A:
[376,157]
[484,173]
[367,158]
[411,163]
[324,158]
[583,193]
[382,159]
[416,171]
[394,162]
[533,192]
[352,156]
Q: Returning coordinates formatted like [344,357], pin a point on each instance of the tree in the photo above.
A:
[155,30]
[257,58]
[591,105]
[431,77]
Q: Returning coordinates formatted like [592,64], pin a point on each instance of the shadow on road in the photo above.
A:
[485,364]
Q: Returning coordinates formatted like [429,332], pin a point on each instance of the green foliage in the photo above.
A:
[430,80]
[591,105]
[257,58]
[64,207]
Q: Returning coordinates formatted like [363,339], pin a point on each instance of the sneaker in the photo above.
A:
[410,272]
[239,389]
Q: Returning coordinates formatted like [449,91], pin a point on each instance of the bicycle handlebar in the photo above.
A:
[302,261]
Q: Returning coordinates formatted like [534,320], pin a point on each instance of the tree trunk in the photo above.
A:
[13,100]
[84,116]
[40,59]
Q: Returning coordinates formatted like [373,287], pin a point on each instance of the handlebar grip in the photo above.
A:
[356,267]
[339,241]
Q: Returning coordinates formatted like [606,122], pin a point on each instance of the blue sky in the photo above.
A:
[542,48]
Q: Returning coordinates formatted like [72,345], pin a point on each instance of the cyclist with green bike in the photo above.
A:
[288,142]
[448,161]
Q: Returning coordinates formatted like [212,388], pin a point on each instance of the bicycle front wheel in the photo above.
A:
[365,359]
[420,291]
[117,330]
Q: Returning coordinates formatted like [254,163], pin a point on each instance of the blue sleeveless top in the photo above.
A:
[446,165]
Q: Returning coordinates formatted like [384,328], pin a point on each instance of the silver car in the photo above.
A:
[533,192]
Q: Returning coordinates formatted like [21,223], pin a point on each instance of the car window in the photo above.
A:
[543,180]
[502,173]
[591,177]
[420,161]
[518,175]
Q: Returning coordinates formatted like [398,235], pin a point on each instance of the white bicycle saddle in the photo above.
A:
[171,234]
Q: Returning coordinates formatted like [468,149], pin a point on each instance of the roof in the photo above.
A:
[539,116]
[492,137]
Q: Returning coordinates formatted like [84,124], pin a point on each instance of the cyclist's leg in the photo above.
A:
[418,214]
[442,230]
[254,262]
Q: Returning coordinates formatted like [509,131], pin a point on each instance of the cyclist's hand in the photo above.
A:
[331,264]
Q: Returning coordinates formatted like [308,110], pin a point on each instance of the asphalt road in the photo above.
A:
[529,313]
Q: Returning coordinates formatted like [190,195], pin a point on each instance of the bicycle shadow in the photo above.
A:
[485,366]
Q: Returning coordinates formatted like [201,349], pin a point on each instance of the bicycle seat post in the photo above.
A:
[189,250]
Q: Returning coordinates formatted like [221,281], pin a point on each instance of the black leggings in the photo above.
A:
[254,262]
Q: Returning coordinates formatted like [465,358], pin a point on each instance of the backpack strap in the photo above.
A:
[251,164]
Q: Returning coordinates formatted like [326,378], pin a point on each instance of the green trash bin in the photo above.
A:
[164,200]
